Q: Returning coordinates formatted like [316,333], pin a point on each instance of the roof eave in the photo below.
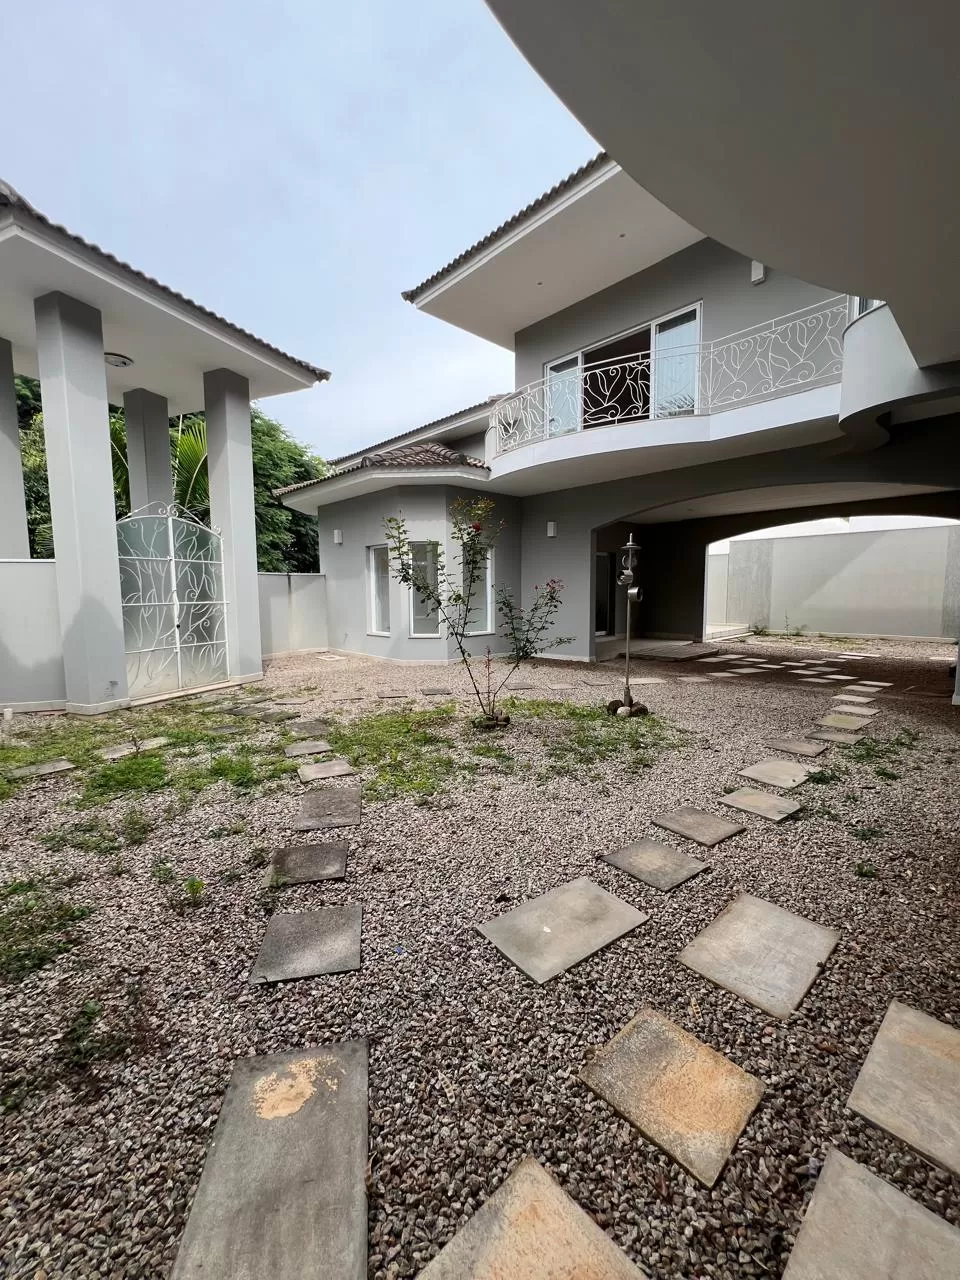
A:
[359,481]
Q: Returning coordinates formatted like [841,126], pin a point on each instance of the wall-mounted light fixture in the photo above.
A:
[551,528]
[338,537]
[758,272]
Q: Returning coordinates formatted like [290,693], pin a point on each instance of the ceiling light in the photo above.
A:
[116,360]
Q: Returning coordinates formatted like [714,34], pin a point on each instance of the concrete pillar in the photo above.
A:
[226,398]
[73,388]
[14,542]
[148,448]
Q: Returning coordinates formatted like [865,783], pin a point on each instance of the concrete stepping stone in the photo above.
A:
[550,934]
[222,730]
[837,720]
[910,1084]
[303,944]
[381,693]
[658,865]
[561,688]
[522,686]
[858,657]
[647,680]
[761,952]
[724,675]
[322,769]
[854,697]
[813,680]
[798,746]
[309,747]
[744,671]
[434,691]
[694,679]
[132,748]
[598,682]
[868,690]
[682,1095]
[42,770]
[877,684]
[718,657]
[836,735]
[761,803]
[842,709]
[308,863]
[836,677]
[698,825]
[858,1227]
[778,773]
[272,716]
[530,1229]
[329,807]
[309,728]
[283,1190]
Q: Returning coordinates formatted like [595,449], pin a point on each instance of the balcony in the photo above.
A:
[796,352]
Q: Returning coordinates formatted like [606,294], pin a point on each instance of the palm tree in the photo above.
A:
[188,463]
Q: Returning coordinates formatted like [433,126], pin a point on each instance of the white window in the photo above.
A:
[480,621]
[378,578]
[424,619]
[860,306]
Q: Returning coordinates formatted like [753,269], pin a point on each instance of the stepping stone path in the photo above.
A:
[836,720]
[842,709]
[858,1227]
[778,773]
[698,825]
[868,690]
[132,748]
[798,746]
[658,865]
[330,807]
[436,692]
[326,769]
[310,747]
[854,697]
[814,680]
[309,728]
[694,679]
[303,944]
[836,735]
[381,693]
[548,935]
[724,675]
[910,1084]
[42,770]
[308,863]
[222,730]
[761,803]
[521,685]
[768,956]
[530,1229]
[690,1100]
[283,1191]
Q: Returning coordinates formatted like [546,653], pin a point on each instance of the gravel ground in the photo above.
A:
[472,1065]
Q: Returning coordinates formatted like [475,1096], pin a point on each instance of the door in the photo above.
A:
[675,365]
[174,615]
[563,397]
[605,593]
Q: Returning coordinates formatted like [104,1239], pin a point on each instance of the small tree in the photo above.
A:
[452,595]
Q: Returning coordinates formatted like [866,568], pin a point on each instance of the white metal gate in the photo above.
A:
[171,583]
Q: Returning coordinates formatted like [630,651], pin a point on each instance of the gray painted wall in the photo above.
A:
[31,653]
[706,271]
[293,612]
[717,589]
[897,582]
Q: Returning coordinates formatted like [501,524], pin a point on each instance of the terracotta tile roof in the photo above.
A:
[437,422]
[427,453]
[12,199]
[411,295]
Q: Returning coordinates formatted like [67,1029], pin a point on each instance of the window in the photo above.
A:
[424,619]
[860,306]
[480,621]
[378,576]
[675,356]
[563,397]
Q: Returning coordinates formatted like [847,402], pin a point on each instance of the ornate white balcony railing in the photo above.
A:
[789,354]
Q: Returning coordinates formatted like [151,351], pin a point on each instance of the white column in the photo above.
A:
[73,388]
[14,542]
[226,398]
[148,448]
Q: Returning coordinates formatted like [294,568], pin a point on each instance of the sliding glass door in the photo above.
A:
[562,397]
[675,363]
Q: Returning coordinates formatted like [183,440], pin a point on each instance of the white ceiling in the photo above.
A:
[604,230]
[170,344]
[819,138]
[776,498]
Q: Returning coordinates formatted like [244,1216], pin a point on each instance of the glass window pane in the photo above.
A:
[424,619]
[380,589]
[675,366]
[563,397]
[478,622]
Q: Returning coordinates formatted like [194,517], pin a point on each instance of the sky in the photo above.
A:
[293,167]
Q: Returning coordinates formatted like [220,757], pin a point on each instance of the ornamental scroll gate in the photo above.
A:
[171,586]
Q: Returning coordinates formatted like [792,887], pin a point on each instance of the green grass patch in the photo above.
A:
[876,750]
[823,777]
[865,870]
[404,750]
[89,836]
[36,925]
[580,736]
[888,775]
[868,834]
[138,773]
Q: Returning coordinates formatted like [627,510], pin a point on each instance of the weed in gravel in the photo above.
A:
[162,871]
[118,867]
[193,887]
[404,749]
[229,829]
[90,836]
[258,857]
[139,773]
[36,925]
[868,833]
[888,775]
[872,750]
[580,736]
[231,875]
[823,777]
[82,1045]
[134,826]
[852,796]
[865,870]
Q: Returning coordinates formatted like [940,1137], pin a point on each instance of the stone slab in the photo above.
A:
[548,935]
[837,677]
[854,697]
[836,720]
[690,1100]
[322,769]
[383,693]
[868,689]
[698,825]
[521,686]
[836,735]
[813,680]
[724,675]
[308,863]
[841,708]
[647,680]
[222,730]
[42,770]
[132,748]
[761,803]
[283,1190]
[910,1084]
[309,728]
[658,865]
[434,691]
[308,747]
[859,1227]
[761,952]
[694,679]
[744,671]
[303,944]
[329,807]
[877,684]
[798,746]
[530,1229]
[777,773]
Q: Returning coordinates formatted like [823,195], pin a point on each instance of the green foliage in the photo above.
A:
[580,736]
[140,773]
[82,1045]
[193,887]
[825,776]
[756,629]
[866,870]
[36,925]
[888,775]
[871,750]
[868,834]
[162,871]
[91,836]
[403,748]
[135,826]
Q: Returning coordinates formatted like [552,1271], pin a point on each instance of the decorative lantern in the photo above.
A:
[629,567]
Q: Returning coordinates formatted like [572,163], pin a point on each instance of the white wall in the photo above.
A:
[293,612]
[717,589]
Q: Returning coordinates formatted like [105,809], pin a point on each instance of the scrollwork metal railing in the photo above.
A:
[792,353]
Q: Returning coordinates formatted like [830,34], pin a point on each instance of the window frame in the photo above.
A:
[412,595]
[372,618]
[491,627]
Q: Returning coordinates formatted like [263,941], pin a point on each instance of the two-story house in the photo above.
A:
[665,385]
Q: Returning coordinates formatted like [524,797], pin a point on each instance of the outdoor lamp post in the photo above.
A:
[629,564]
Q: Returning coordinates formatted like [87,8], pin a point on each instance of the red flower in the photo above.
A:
[477,527]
